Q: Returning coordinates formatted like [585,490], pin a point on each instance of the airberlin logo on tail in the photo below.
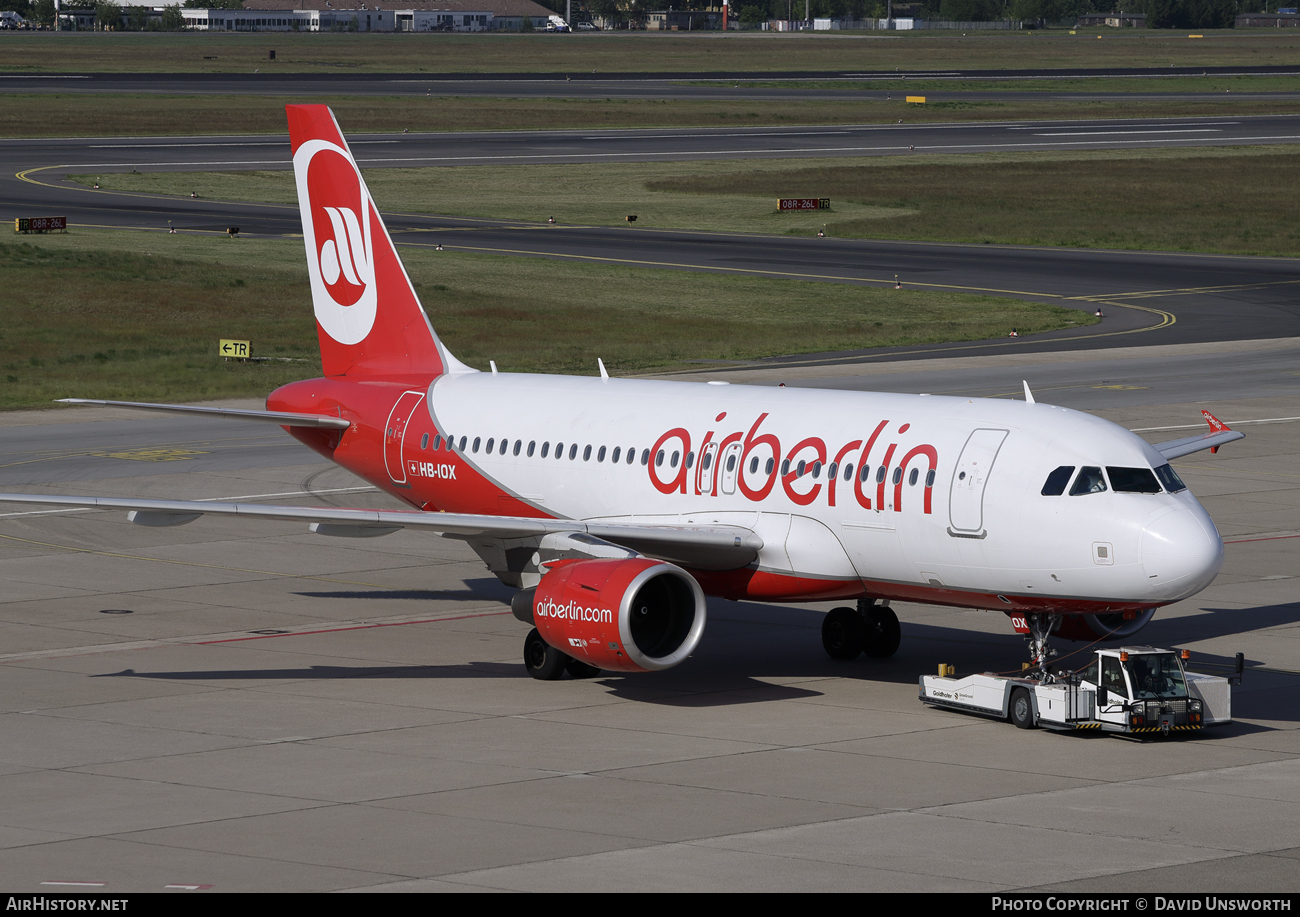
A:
[336,225]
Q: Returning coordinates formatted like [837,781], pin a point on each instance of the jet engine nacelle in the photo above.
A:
[633,615]
[1115,626]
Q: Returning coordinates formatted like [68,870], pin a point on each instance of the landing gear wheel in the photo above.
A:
[579,669]
[843,633]
[882,632]
[543,661]
[1022,709]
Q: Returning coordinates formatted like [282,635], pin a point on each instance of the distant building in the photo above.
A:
[1278,20]
[682,20]
[344,15]
[1114,20]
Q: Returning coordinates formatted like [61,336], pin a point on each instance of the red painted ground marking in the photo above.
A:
[336,630]
[1270,538]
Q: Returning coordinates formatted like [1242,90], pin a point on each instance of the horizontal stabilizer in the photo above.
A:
[1180,447]
[717,547]
[1219,434]
[282,418]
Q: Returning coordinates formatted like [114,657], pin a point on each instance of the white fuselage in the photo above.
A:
[716,454]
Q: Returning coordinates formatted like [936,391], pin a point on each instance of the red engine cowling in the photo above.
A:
[634,615]
[1119,626]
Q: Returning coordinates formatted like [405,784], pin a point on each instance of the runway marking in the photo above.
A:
[1190,130]
[152,455]
[1188,291]
[256,441]
[1231,423]
[338,627]
[1265,538]
[1166,318]
[290,493]
[78,884]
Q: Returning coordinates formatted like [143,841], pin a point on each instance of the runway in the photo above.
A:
[1179,297]
[580,84]
[246,707]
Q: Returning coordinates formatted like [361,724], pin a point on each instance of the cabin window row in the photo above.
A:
[798,469]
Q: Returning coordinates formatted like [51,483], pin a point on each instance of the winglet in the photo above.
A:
[1029,396]
[1216,426]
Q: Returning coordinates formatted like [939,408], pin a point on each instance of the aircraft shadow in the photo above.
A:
[749,646]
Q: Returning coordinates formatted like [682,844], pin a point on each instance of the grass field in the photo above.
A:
[612,52]
[1213,199]
[100,314]
[108,115]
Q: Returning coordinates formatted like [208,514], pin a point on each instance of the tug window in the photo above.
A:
[1057,480]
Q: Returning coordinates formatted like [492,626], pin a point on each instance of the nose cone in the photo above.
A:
[1181,552]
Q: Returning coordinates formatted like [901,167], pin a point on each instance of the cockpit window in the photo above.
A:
[1089,481]
[1057,480]
[1168,477]
[1132,480]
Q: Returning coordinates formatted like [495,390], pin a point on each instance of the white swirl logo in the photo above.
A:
[336,224]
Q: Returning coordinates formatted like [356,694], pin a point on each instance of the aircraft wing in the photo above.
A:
[1219,434]
[282,418]
[718,547]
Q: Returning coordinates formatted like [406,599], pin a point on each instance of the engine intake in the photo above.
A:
[1091,627]
[633,615]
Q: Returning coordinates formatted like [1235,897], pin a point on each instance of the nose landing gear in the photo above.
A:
[870,628]
[1040,628]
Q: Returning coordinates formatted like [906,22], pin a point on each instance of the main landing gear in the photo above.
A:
[870,628]
[546,663]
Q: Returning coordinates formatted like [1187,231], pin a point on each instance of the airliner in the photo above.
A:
[615,506]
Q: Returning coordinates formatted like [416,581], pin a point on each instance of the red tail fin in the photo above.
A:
[368,318]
